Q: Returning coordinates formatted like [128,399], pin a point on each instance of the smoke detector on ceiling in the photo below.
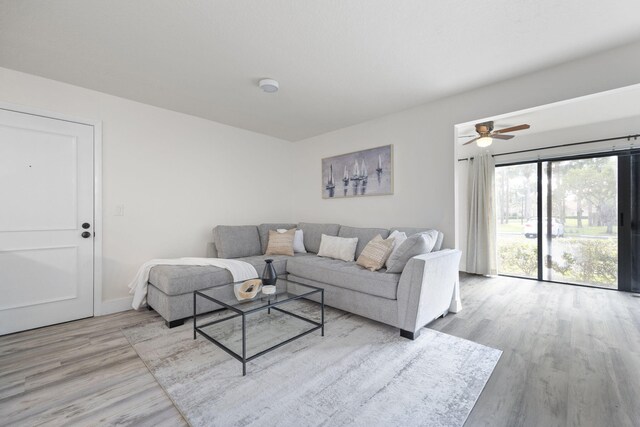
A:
[269,85]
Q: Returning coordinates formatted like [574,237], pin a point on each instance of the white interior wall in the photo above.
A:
[176,175]
[179,175]
[425,147]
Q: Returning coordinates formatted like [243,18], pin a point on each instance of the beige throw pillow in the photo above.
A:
[376,252]
[280,243]
[298,241]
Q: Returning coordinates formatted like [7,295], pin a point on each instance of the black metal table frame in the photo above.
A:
[243,358]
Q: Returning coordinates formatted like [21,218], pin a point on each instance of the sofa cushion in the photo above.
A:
[413,230]
[312,234]
[263,231]
[416,244]
[235,241]
[346,275]
[182,279]
[364,235]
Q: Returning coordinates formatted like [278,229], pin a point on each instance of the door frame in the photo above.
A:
[97,187]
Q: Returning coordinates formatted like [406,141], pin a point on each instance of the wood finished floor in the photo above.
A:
[81,373]
[571,358]
[571,355]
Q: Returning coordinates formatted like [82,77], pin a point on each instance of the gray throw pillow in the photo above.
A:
[418,244]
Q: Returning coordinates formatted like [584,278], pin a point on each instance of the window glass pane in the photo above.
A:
[516,211]
[580,228]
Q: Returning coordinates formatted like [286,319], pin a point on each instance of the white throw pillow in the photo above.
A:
[298,241]
[398,238]
[338,247]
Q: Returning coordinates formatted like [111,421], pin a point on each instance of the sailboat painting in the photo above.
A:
[366,173]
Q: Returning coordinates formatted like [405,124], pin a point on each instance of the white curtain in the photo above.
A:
[481,238]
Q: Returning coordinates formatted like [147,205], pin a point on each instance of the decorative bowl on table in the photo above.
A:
[247,290]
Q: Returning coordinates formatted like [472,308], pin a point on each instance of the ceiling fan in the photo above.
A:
[486,134]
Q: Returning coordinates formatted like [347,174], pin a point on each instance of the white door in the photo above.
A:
[46,197]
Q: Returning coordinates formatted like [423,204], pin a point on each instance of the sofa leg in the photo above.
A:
[174,323]
[410,335]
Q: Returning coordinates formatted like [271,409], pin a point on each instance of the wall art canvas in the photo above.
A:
[362,173]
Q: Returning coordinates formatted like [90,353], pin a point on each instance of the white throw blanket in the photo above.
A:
[240,271]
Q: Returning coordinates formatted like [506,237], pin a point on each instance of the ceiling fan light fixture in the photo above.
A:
[484,141]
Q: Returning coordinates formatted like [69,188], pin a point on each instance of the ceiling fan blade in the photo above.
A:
[498,136]
[512,129]
[469,142]
[466,136]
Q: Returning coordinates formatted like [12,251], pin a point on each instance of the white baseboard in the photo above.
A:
[115,306]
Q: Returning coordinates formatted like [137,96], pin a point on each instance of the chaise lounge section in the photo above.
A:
[426,289]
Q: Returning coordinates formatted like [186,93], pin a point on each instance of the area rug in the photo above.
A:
[360,373]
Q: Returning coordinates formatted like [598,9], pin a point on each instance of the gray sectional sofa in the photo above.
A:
[426,289]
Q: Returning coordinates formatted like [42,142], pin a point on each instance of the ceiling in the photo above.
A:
[338,62]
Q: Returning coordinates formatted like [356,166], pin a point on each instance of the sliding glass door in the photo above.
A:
[580,221]
[572,220]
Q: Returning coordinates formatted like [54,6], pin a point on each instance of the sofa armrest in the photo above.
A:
[428,288]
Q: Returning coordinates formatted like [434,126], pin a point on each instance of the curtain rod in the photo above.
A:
[628,138]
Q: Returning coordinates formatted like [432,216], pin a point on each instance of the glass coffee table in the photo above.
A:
[269,315]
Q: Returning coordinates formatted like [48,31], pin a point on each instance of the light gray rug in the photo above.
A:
[360,373]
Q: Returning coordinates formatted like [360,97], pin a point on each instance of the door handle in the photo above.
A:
[86,225]
[86,234]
